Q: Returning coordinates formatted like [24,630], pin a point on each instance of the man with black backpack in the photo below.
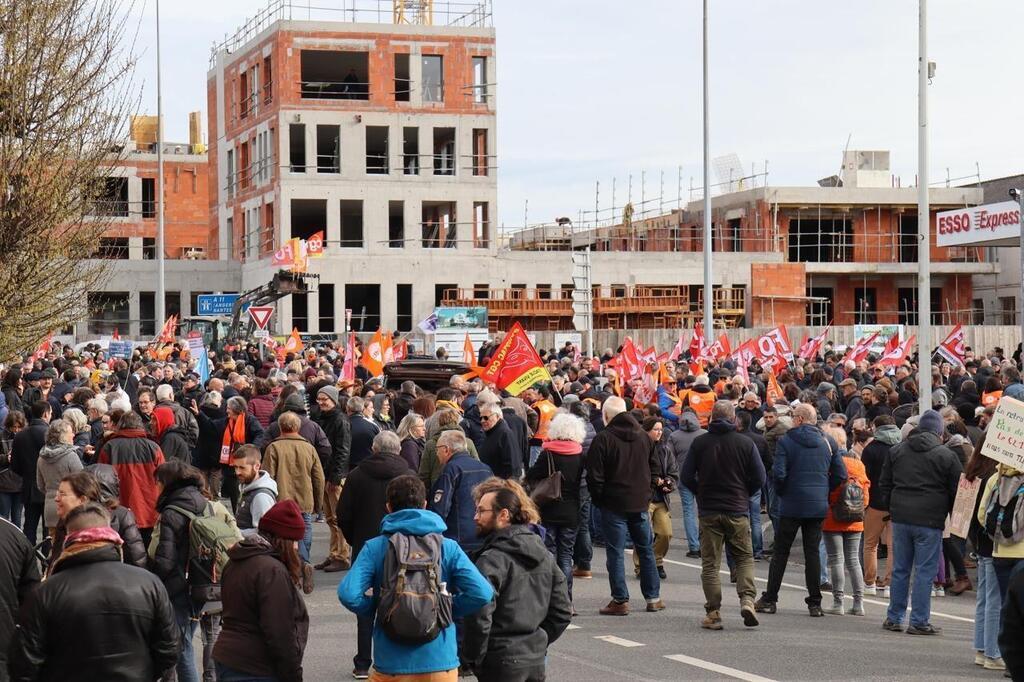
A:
[414,633]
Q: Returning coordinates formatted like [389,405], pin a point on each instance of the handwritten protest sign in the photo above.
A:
[1004,441]
[963,506]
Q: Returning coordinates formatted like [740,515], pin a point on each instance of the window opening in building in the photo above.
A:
[244,159]
[230,180]
[444,151]
[309,216]
[544,292]
[254,89]
[396,224]
[268,228]
[438,225]
[113,198]
[112,248]
[480,161]
[377,150]
[364,302]
[865,305]
[403,322]
[411,151]
[329,74]
[819,312]
[148,197]
[733,235]
[481,225]
[403,85]
[480,292]
[296,147]
[148,248]
[351,223]
[147,314]
[978,311]
[907,312]
[479,80]
[328,149]
[268,79]
[172,303]
[300,312]
[566,292]
[433,78]
[825,240]
[1008,307]
[441,289]
[251,218]
[108,311]
[243,94]
[908,238]
[325,293]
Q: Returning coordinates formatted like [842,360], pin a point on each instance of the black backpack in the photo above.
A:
[415,606]
[849,505]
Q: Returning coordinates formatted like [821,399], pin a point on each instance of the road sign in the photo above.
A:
[261,334]
[215,304]
[260,314]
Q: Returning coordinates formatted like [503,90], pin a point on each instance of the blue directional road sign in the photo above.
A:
[216,304]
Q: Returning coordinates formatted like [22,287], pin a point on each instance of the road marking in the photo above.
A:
[720,669]
[612,639]
[803,588]
[570,626]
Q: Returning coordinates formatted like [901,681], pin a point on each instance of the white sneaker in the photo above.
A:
[939,592]
[870,591]
[994,664]
[836,609]
[979,658]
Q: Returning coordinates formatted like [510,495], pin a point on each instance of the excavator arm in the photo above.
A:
[284,283]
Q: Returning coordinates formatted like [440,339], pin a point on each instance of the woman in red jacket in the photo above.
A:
[842,532]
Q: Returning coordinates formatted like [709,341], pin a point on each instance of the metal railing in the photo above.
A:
[343,89]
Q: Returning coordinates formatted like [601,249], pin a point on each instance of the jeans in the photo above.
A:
[210,625]
[1004,569]
[987,609]
[11,507]
[913,548]
[822,562]
[768,496]
[534,453]
[810,531]
[636,525]
[690,519]
[596,532]
[717,530]
[755,524]
[183,617]
[583,548]
[560,541]
[307,541]
[33,517]
[844,550]
[226,674]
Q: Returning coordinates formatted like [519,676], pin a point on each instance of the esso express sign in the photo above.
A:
[979,224]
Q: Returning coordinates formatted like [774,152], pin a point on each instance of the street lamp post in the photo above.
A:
[1018,196]
[924,292]
[709,326]
[160,285]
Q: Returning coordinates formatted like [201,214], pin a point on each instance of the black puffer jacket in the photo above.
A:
[565,457]
[335,426]
[122,519]
[174,444]
[361,505]
[19,575]
[123,629]
[531,607]
[171,555]
[919,480]
[210,437]
[621,467]
[25,456]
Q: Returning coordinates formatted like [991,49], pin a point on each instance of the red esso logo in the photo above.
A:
[951,224]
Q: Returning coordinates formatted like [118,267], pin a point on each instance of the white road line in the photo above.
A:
[570,626]
[612,639]
[803,588]
[720,669]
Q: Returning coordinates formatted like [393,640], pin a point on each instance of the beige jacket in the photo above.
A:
[293,463]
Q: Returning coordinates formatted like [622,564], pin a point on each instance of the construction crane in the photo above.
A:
[420,12]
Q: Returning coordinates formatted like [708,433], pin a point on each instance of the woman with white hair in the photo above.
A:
[58,458]
[561,454]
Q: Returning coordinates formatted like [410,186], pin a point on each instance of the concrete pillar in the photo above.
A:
[388,304]
[134,314]
[313,310]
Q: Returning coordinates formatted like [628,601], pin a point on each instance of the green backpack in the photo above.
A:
[209,538]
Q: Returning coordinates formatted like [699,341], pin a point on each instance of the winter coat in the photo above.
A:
[723,470]
[499,451]
[806,469]
[566,457]
[402,405]
[919,480]
[135,458]
[682,439]
[169,550]
[853,409]
[25,456]
[520,434]
[412,452]
[185,421]
[855,471]
[174,444]
[1011,635]
[308,429]
[669,471]
[19,576]
[761,443]
[452,497]
[471,592]
[874,457]
[55,462]
[991,487]
[265,624]
[473,426]
[336,427]
[530,609]
[363,432]
[10,482]
[122,630]
[211,437]
[621,467]
[261,407]
[293,463]
[361,506]
[430,465]
[254,500]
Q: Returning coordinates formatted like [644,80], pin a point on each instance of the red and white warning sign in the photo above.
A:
[260,314]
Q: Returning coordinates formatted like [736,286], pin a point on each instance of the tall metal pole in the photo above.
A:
[924,292]
[160,285]
[1020,321]
[708,288]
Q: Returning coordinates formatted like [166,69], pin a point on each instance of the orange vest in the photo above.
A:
[701,403]
[545,411]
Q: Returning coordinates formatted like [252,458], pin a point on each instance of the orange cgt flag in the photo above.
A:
[294,342]
[373,355]
[516,365]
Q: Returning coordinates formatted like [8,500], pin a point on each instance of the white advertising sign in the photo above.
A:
[979,225]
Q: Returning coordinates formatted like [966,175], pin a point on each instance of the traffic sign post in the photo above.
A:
[261,315]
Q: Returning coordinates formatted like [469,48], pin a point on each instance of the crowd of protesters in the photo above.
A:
[106,466]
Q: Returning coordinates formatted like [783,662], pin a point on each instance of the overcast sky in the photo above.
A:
[600,89]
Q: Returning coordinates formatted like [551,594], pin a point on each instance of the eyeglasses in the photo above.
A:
[480,511]
[487,417]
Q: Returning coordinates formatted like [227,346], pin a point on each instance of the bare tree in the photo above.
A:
[65,96]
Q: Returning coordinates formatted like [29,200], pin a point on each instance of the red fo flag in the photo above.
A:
[896,356]
[861,349]
[697,343]
[809,350]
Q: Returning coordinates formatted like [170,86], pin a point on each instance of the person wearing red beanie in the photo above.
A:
[284,520]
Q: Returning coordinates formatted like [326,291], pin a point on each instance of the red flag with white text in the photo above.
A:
[953,349]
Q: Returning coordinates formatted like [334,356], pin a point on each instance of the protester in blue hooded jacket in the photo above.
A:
[406,514]
[807,468]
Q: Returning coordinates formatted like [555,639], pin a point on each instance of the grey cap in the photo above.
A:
[826,387]
[329,391]
[569,399]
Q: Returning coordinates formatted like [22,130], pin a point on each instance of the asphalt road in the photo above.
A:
[671,645]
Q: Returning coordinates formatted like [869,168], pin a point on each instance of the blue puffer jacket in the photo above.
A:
[472,591]
[452,498]
[806,469]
